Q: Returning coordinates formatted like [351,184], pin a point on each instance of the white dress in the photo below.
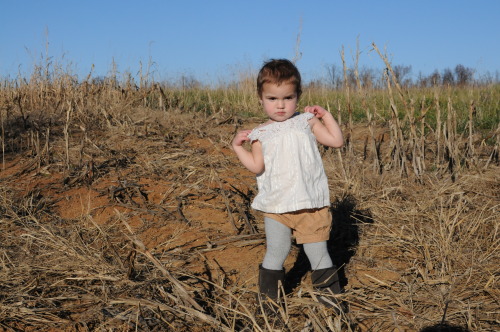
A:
[294,177]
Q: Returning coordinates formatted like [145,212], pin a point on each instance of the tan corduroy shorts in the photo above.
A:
[308,226]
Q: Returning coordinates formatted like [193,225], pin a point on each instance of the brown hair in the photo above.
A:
[279,71]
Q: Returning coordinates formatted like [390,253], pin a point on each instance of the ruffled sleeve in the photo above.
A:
[307,116]
[254,135]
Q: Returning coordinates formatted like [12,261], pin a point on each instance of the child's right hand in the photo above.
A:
[252,159]
[240,138]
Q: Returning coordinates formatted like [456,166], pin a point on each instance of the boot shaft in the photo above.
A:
[269,282]
[326,279]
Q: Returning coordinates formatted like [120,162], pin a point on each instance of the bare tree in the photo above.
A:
[463,75]
[448,78]
[435,78]
[367,77]
[423,81]
[333,76]
[401,72]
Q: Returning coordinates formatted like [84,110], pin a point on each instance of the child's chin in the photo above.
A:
[281,117]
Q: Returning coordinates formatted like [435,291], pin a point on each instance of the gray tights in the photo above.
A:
[279,243]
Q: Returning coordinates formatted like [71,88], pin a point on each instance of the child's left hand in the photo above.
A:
[318,111]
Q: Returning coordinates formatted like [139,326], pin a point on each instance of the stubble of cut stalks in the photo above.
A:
[122,207]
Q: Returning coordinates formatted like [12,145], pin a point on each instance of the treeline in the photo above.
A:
[338,77]
[334,77]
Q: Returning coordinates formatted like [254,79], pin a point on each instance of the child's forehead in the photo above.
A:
[279,87]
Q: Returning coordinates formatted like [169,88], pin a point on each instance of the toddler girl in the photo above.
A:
[293,188]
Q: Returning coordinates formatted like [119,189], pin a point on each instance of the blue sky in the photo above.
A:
[216,40]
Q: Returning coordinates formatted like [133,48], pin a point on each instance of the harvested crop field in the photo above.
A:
[125,209]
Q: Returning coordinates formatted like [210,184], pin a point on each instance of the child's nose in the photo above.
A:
[281,103]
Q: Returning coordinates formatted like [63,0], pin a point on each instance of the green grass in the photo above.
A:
[48,86]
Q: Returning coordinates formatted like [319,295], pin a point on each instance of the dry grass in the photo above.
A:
[165,202]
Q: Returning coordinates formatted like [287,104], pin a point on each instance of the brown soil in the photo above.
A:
[185,196]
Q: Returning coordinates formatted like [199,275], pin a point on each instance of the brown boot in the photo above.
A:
[326,281]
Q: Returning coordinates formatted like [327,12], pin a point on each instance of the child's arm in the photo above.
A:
[327,132]
[253,160]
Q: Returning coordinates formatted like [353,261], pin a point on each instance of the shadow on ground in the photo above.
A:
[444,327]
[344,239]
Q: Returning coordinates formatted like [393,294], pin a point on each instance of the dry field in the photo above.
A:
[123,209]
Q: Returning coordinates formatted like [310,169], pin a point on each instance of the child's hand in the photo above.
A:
[318,111]
[240,138]
[324,127]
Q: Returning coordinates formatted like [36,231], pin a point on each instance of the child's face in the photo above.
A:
[279,101]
